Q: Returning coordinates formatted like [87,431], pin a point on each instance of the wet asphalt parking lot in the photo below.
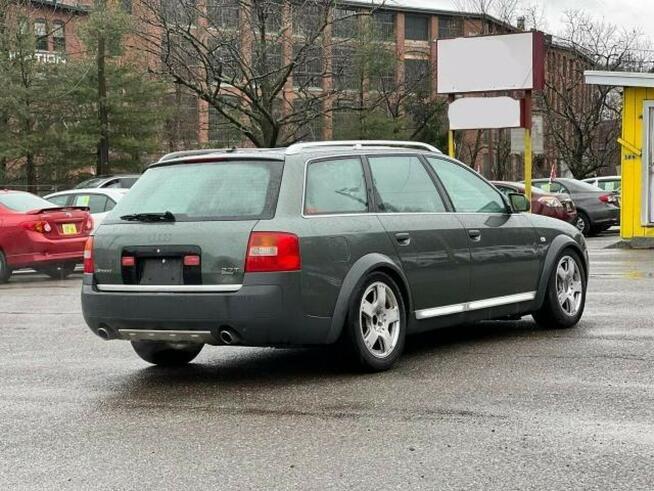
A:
[497,405]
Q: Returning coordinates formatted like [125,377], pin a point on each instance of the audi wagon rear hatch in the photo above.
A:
[186,224]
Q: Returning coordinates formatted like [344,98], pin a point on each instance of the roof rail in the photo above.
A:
[190,153]
[359,144]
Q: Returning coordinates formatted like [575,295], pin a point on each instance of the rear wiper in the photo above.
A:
[166,216]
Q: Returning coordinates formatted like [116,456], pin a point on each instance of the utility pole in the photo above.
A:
[103,145]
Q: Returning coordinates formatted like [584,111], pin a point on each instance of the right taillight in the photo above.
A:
[273,251]
[89,266]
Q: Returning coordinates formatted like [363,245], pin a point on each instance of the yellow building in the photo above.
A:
[637,156]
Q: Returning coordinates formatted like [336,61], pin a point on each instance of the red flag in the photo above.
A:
[553,172]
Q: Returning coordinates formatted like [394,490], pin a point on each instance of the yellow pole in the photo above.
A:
[450,143]
[528,163]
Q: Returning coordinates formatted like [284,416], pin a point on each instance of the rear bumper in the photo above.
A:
[41,251]
[265,311]
[605,216]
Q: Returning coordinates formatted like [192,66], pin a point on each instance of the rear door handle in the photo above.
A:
[403,238]
[474,234]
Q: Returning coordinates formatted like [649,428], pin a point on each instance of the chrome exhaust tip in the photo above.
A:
[229,336]
[104,334]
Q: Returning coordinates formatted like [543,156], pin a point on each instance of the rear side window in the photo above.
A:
[229,190]
[404,186]
[335,186]
[468,192]
[551,187]
[59,200]
[95,202]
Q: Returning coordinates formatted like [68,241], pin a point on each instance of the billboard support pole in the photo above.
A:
[451,150]
[526,114]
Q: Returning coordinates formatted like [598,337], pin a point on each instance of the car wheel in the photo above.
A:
[5,270]
[167,354]
[583,223]
[60,271]
[565,298]
[376,324]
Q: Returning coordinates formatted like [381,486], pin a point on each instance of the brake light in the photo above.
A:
[273,251]
[127,261]
[89,266]
[192,260]
[41,227]
[608,198]
[89,223]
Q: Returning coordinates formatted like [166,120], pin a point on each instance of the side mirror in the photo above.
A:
[519,202]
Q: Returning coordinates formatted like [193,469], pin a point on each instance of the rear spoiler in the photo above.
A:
[58,208]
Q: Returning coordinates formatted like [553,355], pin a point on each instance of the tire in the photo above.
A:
[583,223]
[375,333]
[564,313]
[167,354]
[5,270]
[60,271]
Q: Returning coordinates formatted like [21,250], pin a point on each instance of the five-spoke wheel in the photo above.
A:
[377,322]
[565,296]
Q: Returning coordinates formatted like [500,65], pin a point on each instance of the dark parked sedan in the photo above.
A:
[359,243]
[555,205]
[597,210]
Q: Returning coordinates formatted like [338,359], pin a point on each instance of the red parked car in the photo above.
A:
[555,205]
[35,233]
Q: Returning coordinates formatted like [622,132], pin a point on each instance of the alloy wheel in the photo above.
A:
[379,315]
[569,286]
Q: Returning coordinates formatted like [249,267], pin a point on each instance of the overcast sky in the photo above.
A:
[629,13]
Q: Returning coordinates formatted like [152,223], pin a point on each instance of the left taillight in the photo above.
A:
[273,251]
[89,266]
[40,226]
[609,199]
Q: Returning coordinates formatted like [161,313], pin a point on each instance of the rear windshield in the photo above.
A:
[24,202]
[230,190]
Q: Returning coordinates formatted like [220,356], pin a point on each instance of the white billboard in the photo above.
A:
[491,63]
[470,113]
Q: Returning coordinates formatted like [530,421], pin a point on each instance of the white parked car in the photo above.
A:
[99,200]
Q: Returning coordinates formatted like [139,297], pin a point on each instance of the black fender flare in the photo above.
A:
[558,244]
[359,270]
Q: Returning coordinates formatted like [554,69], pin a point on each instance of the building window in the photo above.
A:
[343,67]
[417,76]
[383,24]
[416,27]
[126,5]
[308,19]
[222,132]
[308,69]
[41,34]
[312,119]
[59,36]
[450,27]
[345,23]
[179,13]
[268,59]
[223,13]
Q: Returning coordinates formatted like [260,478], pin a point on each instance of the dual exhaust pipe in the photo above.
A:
[226,335]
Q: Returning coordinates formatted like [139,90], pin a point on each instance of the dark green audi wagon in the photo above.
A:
[358,242]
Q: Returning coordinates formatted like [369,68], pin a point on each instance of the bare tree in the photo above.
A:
[268,76]
[582,122]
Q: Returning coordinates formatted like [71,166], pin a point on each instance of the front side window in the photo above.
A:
[404,186]
[468,192]
[335,186]
[227,190]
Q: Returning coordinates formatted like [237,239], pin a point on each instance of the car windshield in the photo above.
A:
[24,202]
[230,190]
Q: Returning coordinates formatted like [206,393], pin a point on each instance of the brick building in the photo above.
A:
[410,31]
